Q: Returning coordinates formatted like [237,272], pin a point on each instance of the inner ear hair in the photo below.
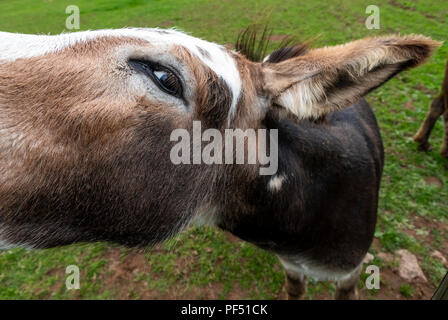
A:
[330,78]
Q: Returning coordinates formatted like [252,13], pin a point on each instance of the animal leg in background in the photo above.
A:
[422,135]
[444,151]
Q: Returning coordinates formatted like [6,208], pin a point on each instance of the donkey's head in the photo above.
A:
[86,120]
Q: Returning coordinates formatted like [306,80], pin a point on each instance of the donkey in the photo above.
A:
[86,121]
[438,107]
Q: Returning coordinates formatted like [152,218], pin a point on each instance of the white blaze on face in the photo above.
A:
[15,46]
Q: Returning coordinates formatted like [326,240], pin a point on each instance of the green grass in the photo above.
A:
[201,257]
[41,274]
[406,290]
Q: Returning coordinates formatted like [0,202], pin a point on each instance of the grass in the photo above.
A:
[406,290]
[412,214]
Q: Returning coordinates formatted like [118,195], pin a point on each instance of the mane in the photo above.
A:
[253,42]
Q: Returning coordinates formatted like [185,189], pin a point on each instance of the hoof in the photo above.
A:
[425,146]
[352,294]
[293,297]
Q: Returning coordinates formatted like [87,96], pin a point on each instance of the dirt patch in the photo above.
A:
[409,8]
[127,276]
[433,181]
[424,89]
[59,274]
[400,5]
[131,265]
[123,272]
[410,105]
[391,282]
[340,18]
[426,223]
[390,288]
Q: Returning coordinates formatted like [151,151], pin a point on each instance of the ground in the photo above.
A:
[210,264]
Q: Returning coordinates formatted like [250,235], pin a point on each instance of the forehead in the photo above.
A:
[216,57]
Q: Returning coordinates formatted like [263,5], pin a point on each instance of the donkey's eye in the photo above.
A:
[169,82]
[162,76]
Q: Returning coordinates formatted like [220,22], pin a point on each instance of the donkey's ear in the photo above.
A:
[331,78]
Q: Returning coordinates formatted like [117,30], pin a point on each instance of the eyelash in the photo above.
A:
[150,68]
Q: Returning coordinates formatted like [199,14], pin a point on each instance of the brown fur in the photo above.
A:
[59,119]
[85,153]
[337,76]
[438,107]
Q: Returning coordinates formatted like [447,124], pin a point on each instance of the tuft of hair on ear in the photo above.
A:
[286,53]
[253,43]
